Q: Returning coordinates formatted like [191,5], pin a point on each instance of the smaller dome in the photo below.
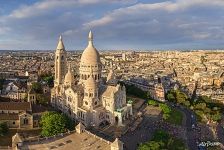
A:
[90,82]
[69,78]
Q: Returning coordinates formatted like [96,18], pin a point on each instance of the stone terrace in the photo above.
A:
[82,141]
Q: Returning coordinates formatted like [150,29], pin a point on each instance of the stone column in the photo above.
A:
[130,107]
[120,119]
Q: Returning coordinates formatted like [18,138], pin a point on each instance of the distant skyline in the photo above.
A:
[116,24]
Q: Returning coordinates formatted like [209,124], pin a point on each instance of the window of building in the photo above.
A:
[25,121]
[13,122]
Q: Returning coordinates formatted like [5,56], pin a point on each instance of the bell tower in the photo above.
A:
[60,63]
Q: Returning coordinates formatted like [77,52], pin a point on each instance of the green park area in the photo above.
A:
[204,107]
[162,140]
[171,115]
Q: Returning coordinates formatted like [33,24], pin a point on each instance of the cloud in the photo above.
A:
[163,23]
[40,8]
[117,23]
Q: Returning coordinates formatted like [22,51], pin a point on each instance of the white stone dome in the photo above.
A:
[90,55]
[69,78]
[90,82]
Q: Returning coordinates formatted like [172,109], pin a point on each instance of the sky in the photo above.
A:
[116,24]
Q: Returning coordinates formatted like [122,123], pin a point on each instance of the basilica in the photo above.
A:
[91,101]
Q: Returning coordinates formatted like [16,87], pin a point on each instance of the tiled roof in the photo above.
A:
[7,116]
[15,106]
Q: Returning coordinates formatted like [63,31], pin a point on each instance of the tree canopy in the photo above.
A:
[53,123]
[36,86]
[177,96]
[135,91]
[162,140]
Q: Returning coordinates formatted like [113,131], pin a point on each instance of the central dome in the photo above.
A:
[90,55]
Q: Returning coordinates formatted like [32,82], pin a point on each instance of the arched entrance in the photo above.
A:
[116,119]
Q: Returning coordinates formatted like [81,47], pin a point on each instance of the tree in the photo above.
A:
[170,97]
[180,97]
[165,108]
[160,135]
[204,99]
[216,117]
[152,102]
[36,86]
[49,80]
[175,144]
[177,96]
[42,99]
[151,145]
[3,128]
[187,103]
[162,140]
[200,106]
[53,123]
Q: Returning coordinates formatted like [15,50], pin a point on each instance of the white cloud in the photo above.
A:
[143,9]
[131,23]
[42,7]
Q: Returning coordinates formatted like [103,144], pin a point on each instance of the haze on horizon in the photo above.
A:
[116,24]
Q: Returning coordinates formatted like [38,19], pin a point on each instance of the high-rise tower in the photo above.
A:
[60,63]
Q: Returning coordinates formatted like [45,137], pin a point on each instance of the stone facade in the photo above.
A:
[90,100]
[16,114]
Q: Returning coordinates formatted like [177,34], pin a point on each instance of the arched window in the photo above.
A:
[62,57]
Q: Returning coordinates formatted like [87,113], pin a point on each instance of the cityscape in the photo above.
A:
[105,85]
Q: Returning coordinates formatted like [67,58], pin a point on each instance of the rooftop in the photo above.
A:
[15,106]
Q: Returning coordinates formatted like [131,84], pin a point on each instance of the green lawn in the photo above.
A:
[175,117]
